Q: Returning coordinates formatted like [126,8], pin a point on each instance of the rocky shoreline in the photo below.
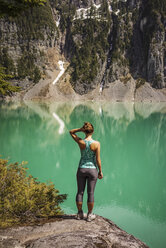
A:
[66,231]
[116,91]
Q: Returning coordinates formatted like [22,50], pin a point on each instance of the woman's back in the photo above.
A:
[88,156]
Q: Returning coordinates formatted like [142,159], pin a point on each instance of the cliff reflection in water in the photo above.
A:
[133,138]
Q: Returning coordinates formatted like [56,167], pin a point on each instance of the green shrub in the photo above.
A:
[125,79]
[139,82]
[24,199]
[5,87]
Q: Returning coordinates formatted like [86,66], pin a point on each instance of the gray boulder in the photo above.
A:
[66,231]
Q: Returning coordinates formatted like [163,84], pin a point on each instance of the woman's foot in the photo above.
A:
[80,215]
[91,216]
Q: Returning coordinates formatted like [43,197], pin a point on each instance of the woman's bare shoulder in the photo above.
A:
[97,142]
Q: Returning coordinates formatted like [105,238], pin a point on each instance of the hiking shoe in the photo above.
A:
[91,217]
[80,215]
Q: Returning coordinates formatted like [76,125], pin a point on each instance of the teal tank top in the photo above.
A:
[88,157]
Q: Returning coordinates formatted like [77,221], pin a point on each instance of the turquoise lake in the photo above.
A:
[133,153]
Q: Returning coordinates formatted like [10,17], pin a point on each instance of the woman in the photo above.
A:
[87,169]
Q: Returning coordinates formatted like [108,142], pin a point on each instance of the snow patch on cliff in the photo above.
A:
[58,22]
[83,13]
[117,12]
[62,70]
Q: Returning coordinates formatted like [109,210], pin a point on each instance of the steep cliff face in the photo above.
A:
[24,41]
[103,40]
[107,40]
[138,42]
[148,46]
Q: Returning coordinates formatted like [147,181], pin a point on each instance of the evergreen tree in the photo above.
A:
[14,7]
[36,75]
[5,87]
[6,61]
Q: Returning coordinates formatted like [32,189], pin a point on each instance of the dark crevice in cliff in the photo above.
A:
[136,52]
[69,44]
[112,38]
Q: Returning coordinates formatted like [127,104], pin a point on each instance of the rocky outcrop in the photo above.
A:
[146,93]
[69,232]
[117,91]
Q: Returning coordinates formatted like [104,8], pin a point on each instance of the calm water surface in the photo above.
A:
[133,138]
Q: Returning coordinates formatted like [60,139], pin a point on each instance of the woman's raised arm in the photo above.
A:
[74,136]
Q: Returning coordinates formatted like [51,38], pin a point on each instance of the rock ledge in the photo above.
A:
[66,231]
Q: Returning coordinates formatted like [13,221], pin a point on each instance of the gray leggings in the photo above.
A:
[86,175]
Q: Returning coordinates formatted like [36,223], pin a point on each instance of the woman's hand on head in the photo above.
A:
[100,175]
[82,129]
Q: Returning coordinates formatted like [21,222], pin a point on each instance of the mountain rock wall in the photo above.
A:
[103,41]
[24,42]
